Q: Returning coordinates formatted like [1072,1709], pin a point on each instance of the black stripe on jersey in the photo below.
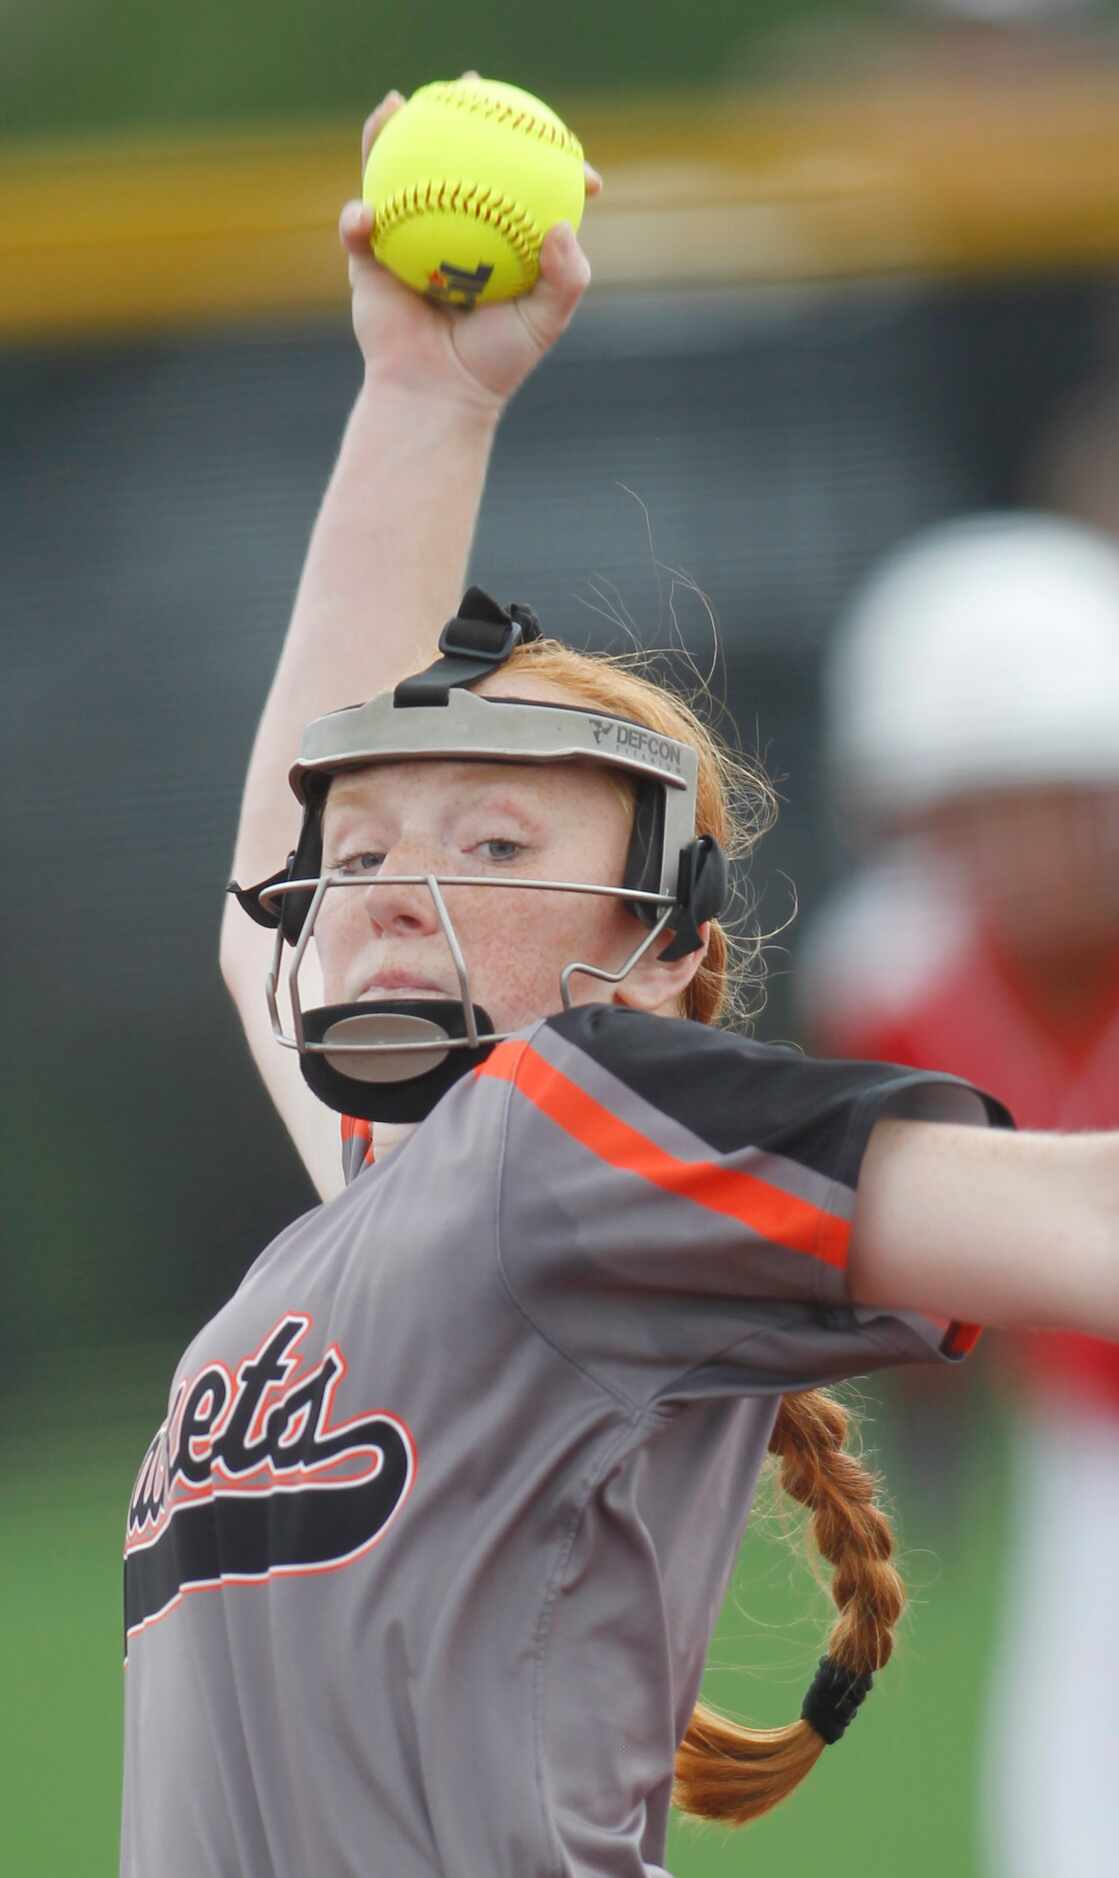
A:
[232,1536]
[733,1093]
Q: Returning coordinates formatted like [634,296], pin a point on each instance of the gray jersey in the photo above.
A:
[422,1568]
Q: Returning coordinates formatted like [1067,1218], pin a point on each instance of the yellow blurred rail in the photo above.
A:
[146,233]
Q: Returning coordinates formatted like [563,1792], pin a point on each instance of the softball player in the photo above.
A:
[422,1567]
[989,776]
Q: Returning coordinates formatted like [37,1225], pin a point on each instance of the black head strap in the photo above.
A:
[479,639]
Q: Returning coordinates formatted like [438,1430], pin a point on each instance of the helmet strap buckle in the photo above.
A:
[476,642]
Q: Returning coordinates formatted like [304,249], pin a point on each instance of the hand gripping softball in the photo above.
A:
[464,181]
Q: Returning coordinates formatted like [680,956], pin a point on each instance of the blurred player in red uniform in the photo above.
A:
[973,701]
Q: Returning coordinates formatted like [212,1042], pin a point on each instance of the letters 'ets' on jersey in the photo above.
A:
[422,1568]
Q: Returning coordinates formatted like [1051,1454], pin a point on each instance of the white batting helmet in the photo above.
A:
[981,654]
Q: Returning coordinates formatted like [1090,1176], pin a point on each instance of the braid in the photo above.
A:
[725,1771]
[850,1530]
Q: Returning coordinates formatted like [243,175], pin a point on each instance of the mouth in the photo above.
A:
[401,985]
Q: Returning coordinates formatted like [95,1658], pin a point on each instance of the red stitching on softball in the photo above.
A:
[518,228]
[520,119]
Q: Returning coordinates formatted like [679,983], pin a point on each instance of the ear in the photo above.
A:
[657,985]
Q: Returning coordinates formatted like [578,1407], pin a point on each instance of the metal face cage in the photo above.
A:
[370,1050]
[391,1059]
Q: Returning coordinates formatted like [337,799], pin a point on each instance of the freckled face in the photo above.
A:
[501,820]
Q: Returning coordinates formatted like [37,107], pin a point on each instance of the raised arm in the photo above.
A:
[385,566]
[1019,1231]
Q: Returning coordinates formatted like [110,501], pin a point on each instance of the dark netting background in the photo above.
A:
[157,500]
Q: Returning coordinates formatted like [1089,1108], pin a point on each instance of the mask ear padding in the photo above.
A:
[701,894]
[646,844]
[394,1096]
[248,898]
[304,864]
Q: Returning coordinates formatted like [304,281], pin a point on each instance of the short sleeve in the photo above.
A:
[676,1203]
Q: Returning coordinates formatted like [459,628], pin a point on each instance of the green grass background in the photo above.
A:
[896,1796]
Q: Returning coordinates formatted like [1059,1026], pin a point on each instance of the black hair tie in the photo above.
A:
[834,1698]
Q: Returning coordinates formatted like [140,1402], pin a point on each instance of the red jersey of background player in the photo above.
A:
[974,1016]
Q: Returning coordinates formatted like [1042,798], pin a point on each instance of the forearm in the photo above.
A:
[384,569]
[1091,1297]
[1019,1231]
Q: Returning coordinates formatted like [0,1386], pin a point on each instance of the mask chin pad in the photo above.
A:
[394,1086]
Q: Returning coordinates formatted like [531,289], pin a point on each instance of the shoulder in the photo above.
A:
[668,1076]
[668,1061]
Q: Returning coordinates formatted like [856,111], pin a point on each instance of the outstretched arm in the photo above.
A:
[1019,1231]
[385,566]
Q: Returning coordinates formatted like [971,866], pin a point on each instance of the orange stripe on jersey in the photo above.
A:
[961,1338]
[779,1217]
[354,1128]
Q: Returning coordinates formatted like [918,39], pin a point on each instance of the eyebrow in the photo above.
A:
[492,793]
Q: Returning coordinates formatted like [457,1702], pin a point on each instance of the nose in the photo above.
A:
[399,910]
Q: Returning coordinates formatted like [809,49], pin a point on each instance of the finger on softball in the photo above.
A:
[562,261]
[564,275]
[594,181]
[376,121]
[355,229]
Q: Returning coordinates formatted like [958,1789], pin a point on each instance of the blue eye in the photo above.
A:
[510,849]
[366,863]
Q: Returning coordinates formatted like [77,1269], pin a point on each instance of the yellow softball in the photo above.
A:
[465,181]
